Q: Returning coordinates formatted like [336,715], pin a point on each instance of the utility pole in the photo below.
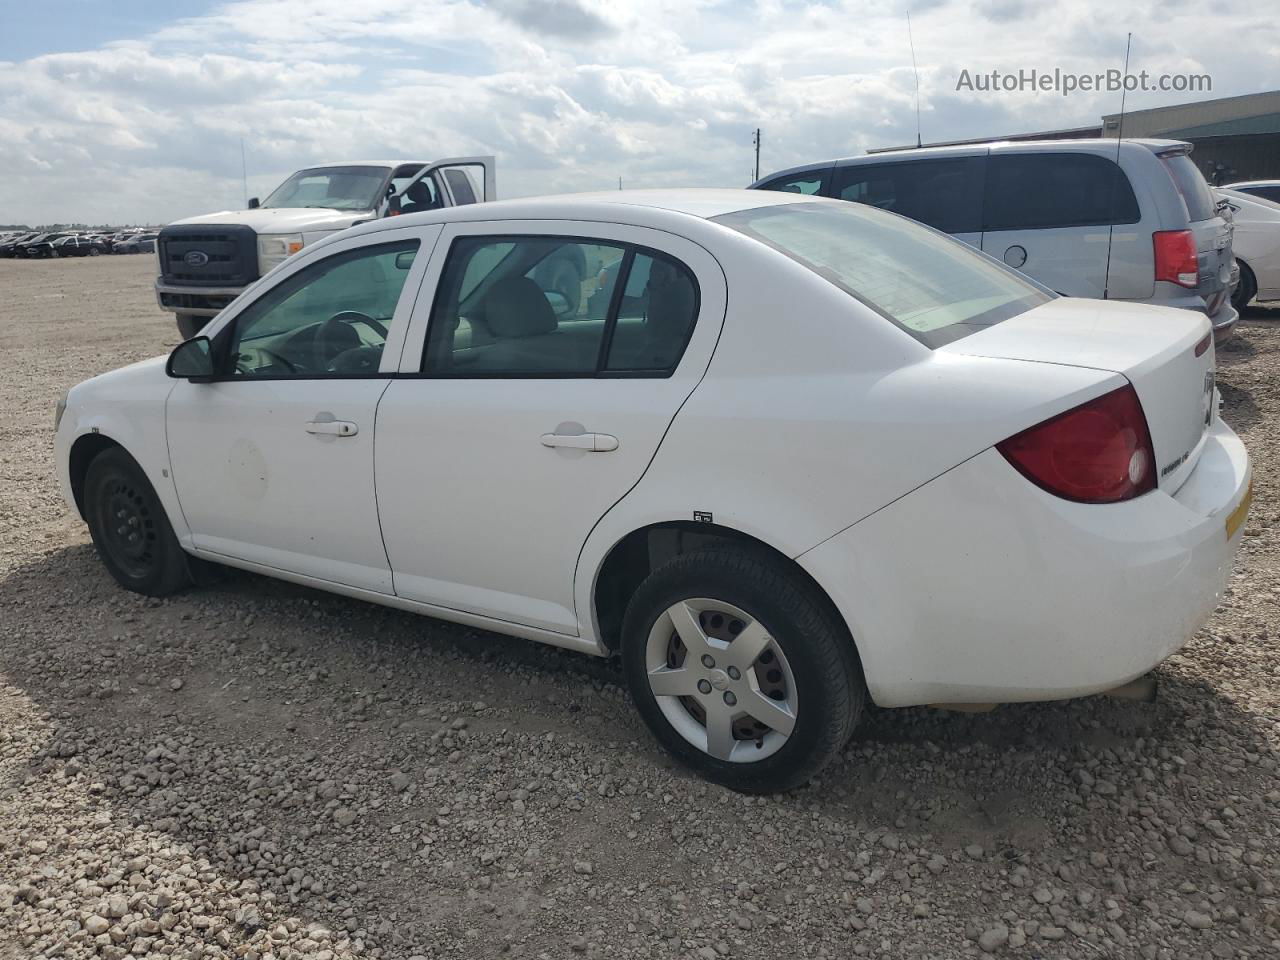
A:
[244,173]
[756,140]
[619,183]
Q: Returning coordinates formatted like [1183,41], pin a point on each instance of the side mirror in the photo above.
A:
[253,203]
[191,360]
[405,260]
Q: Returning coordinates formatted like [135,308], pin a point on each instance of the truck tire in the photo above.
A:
[189,325]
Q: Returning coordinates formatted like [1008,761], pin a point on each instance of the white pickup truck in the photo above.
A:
[206,261]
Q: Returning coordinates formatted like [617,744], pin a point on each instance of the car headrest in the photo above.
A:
[517,307]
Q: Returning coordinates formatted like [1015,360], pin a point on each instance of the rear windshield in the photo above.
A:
[935,288]
[1195,192]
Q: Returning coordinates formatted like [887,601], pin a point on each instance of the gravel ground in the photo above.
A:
[260,770]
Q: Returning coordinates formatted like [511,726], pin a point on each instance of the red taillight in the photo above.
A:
[1098,452]
[1176,259]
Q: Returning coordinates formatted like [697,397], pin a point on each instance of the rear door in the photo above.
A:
[945,192]
[1050,214]
[1212,231]
[513,427]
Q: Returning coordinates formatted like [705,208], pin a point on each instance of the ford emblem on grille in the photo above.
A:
[195,258]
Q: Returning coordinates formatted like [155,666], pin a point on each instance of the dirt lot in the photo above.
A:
[258,770]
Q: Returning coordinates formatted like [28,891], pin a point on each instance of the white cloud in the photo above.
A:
[569,94]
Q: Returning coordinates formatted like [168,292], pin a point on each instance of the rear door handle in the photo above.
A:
[333,428]
[597,442]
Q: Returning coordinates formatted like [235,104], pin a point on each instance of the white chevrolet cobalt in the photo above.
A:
[784,454]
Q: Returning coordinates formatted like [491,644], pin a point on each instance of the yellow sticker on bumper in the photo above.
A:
[1236,517]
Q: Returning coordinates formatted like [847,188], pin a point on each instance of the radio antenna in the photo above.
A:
[915,70]
[1117,173]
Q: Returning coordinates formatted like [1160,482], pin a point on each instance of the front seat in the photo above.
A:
[520,319]
[418,198]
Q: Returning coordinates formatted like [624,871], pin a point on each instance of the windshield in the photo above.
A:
[335,188]
[935,288]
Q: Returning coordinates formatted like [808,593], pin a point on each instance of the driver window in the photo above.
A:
[329,320]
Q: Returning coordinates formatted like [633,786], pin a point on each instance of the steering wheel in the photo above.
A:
[328,333]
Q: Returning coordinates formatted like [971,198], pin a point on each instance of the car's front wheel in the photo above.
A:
[1245,290]
[129,527]
[740,669]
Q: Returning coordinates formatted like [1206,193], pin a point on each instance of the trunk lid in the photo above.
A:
[1162,351]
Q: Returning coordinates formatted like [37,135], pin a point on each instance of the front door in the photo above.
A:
[273,459]
[527,416]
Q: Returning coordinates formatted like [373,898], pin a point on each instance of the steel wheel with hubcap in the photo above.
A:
[721,680]
[741,669]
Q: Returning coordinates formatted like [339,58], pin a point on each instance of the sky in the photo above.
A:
[134,111]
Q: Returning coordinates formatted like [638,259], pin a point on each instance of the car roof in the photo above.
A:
[1079,145]
[364,163]
[1250,183]
[656,208]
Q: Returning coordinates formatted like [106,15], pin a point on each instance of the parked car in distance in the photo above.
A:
[1256,243]
[206,261]
[137,243]
[80,246]
[41,246]
[9,245]
[1061,211]
[1263,189]
[682,477]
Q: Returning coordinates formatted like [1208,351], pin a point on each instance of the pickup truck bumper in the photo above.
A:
[196,301]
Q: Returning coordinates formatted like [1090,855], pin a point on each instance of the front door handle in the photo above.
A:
[333,428]
[596,442]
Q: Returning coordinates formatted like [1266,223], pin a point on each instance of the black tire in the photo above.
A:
[189,325]
[129,527]
[818,649]
[1245,290]
[94,252]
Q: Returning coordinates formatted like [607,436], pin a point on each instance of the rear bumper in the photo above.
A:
[197,301]
[1224,322]
[980,587]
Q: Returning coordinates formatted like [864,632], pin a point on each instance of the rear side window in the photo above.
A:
[547,306]
[945,194]
[935,288]
[809,183]
[1191,184]
[1039,191]
[1266,193]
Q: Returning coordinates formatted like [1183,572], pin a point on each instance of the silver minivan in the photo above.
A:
[1133,220]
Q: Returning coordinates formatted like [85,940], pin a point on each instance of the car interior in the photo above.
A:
[508,319]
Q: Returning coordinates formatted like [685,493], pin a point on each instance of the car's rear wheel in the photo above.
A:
[129,527]
[94,251]
[1246,289]
[740,669]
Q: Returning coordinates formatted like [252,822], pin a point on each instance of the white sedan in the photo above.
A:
[1256,243]
[785,455]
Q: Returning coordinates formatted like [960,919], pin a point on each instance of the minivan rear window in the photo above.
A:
[1191,184]
[935,288]
[1042,191]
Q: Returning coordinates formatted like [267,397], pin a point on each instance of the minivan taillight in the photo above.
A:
[1176,259]
[1098,452]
